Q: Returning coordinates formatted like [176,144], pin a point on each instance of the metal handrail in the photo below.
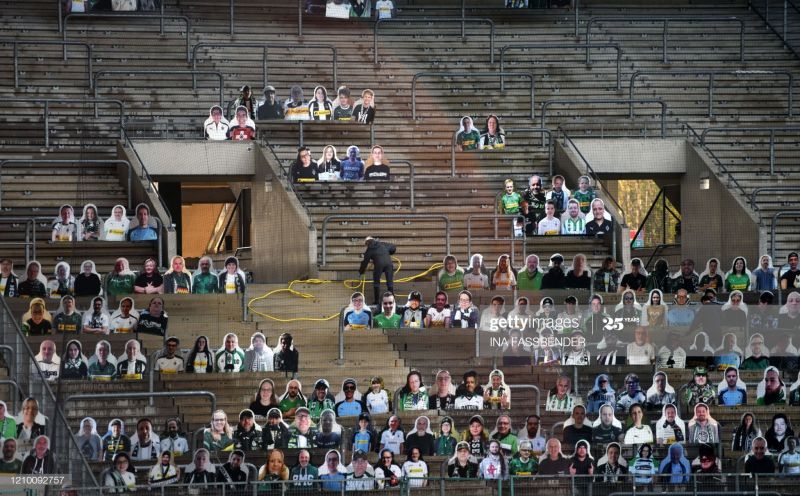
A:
[535,390]
[11,358]
[161,18]
[48,101]
[665,21]
[150,183]
[771,130]
[541,130]
[587,46]
[145,395]
[236,206]
[663,197]
[783,34]
[157,72]
[419,75]
[495,217]
[30,236]
[341,335]
[756,191]
[618,101]
[656,251]
[16,385]
[462,20]
[778,215]
[711,74]
[76,161]
[15,55]
[719,163]
[595,177]
[411,216]
[265,47]
[411,179]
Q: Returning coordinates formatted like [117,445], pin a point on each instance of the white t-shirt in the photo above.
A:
[91,320]
[123,324]
[169,365]
[230,284]
[378,403]
[641,435]
[474,282]
[392,440]
[416,472]
[384,8]
[549,227]
[116,230]
[790,462]
[437,317]
[464,403]
[640,355]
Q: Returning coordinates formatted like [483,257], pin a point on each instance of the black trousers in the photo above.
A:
[377,272]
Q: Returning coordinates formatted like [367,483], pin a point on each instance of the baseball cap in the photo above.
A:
[557,258]
[415,295]
[700,371]
[270,89]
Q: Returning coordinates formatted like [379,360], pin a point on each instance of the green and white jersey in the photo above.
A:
[584,199]
[205,284]
[573,226]
[384,322]
[523,468]
[740,282]
[468,141]
[68,323]
[510,203]
[229,361]
[452,283]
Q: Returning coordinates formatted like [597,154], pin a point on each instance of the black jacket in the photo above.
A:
[380,254]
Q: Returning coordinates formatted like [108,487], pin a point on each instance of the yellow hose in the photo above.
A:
[354,284]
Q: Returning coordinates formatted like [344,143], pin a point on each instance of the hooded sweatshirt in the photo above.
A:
[258,360]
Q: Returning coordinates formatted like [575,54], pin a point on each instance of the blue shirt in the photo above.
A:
[349,409]
[733,398]
[680,316]
[361,441]
[143,234]
[352,170]
[328,483]
[361,318]
[765,279]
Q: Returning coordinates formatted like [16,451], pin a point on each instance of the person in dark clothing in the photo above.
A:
[269,109]
[555,278]
[303,169]
[231,473]
[286,358]
[380,254]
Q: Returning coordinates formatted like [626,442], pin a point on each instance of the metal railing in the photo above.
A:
[535,389]
[665,30]
[510,130]
[495,217]
[265,47]
[772,229]
[411,216]
[593,175]
[146,395]
[770,130]
[76,161]
[783,34]
[692,134]
[711,82]
[15,55]
[134,15]
[461,20]
[145,176]
[587,46]
[50,101]
[30,236]
[420,75]
[160,72]
[757,191]
[411,179]
[665,209]
[606,101]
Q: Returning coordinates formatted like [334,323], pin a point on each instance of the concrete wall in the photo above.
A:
[182,158]
[284,240]
[715,222]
